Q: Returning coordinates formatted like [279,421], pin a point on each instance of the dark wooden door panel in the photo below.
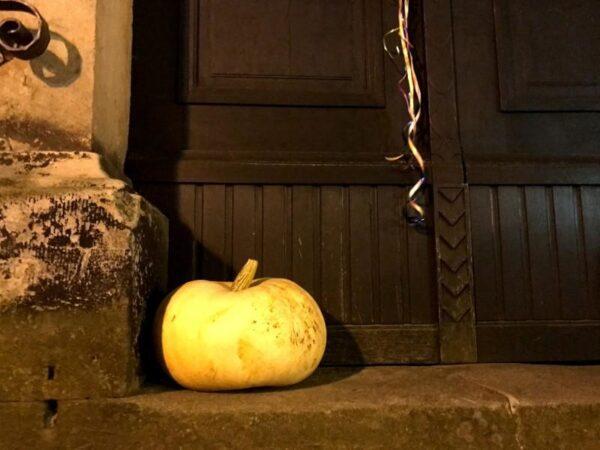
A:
[277,153]
[537,272]
[527,89]
[534,255]
[279,141]
[339,258]
[537,146]
[548,55]
[349,246]
[289,52]
[310,234]
[538,341]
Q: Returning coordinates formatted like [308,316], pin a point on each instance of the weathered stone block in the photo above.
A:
[80,254]
[75,97]
[22,426]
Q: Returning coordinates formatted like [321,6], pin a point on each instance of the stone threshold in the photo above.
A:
[430,407]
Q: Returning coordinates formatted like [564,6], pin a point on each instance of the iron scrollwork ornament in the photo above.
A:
[18,41]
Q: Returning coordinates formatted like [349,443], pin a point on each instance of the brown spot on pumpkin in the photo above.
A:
[173,318]
[246,351]
[216,316]
[211,370]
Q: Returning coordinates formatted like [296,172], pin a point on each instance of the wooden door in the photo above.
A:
[262,133]
[260,128]
[522,84]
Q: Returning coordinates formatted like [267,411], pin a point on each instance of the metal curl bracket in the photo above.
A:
[18,41]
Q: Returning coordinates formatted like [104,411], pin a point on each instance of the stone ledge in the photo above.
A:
[46,168]
[479,407]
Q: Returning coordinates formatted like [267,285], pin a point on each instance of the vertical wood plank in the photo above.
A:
[570,258]
[197,232]
[334,267]
[374,266]
[258,218]
[347,289]
[228,273]
[515,267]
[244,229]
[581,253]
[421,263]
[317,269]
[276,246]
[393,259]
[215,259]
[486,258]
[405,257]
[360,241]
[303,237]
[542,255]
[590,205]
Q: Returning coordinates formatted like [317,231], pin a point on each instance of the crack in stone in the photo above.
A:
[50,413]
[512,406]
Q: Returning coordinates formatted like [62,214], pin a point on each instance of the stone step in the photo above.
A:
[478,406]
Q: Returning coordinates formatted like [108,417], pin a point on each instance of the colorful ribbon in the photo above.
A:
[415,212]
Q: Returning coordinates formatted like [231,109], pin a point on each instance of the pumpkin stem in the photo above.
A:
[245,276]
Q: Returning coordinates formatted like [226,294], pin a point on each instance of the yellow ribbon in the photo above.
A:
[412,96]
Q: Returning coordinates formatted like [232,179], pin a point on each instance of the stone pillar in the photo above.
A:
[75,97]
[80,252]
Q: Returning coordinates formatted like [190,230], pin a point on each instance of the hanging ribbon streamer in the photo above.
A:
[396,43]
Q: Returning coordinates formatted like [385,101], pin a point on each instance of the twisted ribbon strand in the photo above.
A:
[415,212]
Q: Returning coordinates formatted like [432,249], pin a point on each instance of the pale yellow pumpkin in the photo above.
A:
[220,336]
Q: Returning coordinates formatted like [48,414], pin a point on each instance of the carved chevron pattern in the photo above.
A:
[455,262]
[453,240]
[457,306]
[453,252]
[455,289]
[451,217]
[451,195]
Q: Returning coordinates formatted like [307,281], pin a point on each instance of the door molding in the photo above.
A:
[454,266]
